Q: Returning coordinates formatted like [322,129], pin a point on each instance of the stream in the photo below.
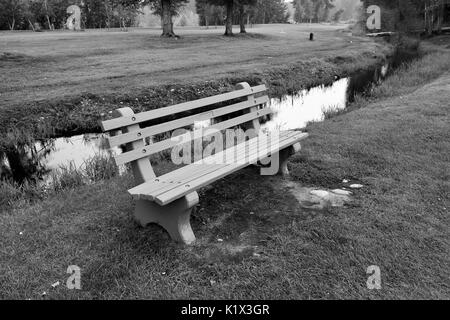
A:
[290,112]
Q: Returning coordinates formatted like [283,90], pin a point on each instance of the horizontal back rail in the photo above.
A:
[187,137]
[182,122]
[121,122]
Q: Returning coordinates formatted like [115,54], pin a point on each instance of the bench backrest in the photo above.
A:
[129,129]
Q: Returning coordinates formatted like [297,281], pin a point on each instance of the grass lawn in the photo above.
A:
[396,144]
[61,75]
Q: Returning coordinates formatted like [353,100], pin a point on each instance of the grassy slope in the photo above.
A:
[70,78]
[397,146]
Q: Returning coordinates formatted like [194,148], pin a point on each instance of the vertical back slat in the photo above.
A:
[142,168]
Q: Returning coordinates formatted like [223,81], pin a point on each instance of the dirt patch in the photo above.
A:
[318,199]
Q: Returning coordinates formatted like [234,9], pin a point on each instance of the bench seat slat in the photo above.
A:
[250,151]
[121,122]
[121,139]
[185,174]
[182,174]
[169,143]
[244,152]
[193,185]
[173,178]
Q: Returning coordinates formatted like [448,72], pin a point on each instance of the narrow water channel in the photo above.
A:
[290,112]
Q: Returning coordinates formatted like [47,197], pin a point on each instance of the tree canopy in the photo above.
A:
[312,10]
[410,15]
[51,14]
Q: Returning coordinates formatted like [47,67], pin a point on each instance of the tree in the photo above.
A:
[110,13]
[167,9]
[243,6]
[322,9]
[208,8]
[204,10]
[309,10]
[409,15]
[304,10]
[209,13]
[337,15]
[11,11]
[95,13]
[433,15]
[229,7]
[269,11]
[51,13]
[299,11]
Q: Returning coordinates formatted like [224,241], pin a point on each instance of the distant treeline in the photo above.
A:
[51,14]
[251,12]
[314,10]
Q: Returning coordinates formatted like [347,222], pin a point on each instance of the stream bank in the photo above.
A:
[36,155]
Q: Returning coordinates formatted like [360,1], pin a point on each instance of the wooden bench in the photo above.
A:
[169,199]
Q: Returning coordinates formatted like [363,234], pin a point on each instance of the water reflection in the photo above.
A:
[35,161]
[294,112]
[77,149]
[23,162]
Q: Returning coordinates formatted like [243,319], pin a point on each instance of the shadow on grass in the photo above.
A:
[236,218]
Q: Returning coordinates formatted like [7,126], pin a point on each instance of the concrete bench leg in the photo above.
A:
[174,217]
[278,163]
[284,157]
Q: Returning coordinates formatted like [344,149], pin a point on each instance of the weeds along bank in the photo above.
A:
[407,77]
[70,177]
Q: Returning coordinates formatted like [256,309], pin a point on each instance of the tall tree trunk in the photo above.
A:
[242,18]
[12,24]
[31,25]
[46,15]
[48,22]
[440,16]
[107,11]
[166,19]
[207,15]
[229,21]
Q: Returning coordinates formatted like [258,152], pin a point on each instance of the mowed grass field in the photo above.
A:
[58,66]
[395,142]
